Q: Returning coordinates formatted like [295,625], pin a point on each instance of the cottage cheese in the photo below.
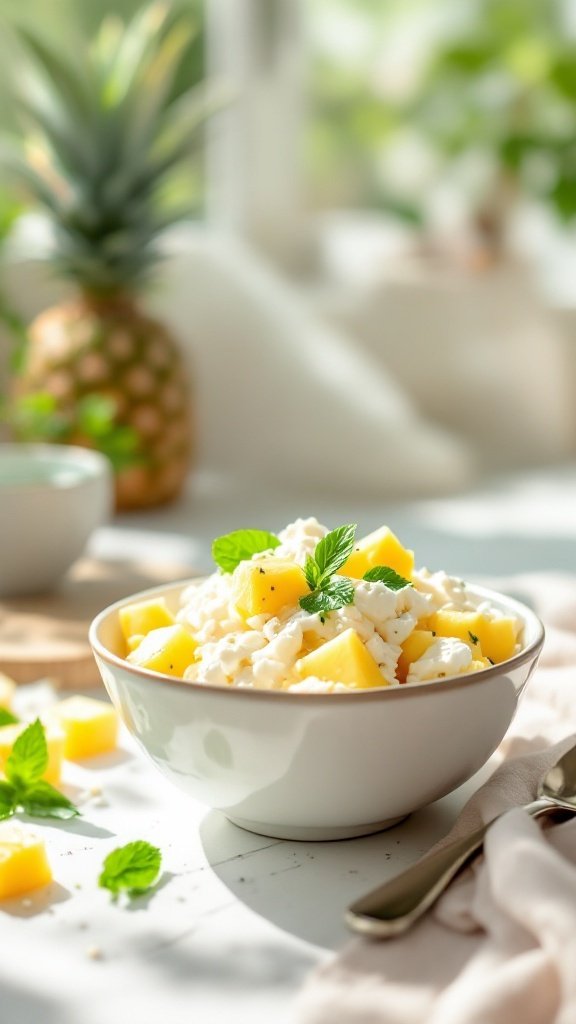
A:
[262,651]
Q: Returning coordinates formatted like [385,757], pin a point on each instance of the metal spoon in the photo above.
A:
[393,907]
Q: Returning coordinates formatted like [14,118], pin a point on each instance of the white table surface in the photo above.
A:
[238,920]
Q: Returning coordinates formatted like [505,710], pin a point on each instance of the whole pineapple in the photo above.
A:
[106,141]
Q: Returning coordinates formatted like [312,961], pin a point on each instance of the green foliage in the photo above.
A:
[110,126]
[497,81]
[92,419]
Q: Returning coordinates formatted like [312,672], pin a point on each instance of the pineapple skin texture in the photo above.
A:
[111,348]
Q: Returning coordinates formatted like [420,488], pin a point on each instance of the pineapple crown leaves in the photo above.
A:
[106,140]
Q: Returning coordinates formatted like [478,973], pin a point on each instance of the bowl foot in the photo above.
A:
[311,834]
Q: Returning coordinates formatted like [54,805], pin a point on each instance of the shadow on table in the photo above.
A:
[304,888]
[32,904]
[20,1006]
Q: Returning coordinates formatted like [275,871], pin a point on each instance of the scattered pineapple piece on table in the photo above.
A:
[107,149]
[267,585]
[23,862]
[169,650]
[89,726]
[54,742]
[7,691]
[381,547]
[344,659]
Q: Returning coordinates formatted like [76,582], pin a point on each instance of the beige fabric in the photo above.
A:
[500,946]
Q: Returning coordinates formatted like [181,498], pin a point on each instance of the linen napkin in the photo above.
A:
[500,946]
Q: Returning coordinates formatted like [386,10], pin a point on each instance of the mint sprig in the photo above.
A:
[7,717]
[133,868]
[384,574]
[232,548]
[25,789]
[334,594]
[329,594]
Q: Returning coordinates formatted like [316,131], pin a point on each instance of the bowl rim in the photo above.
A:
[91,463]
[147,676]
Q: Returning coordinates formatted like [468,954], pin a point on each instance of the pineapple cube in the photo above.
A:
[7,691]
[381,547]
[54,741]
[89,726]
[465,626]
[134,641]
[498,638]
[413,648]
[477,664]
[267,585]
[23,862]
[489,638]
[169,650]
[141,617]
[344,659]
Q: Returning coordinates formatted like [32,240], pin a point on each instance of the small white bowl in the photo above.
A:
[315,766]
[52,497]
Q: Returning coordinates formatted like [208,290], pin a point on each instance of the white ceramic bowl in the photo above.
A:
[315,766]
[52,497]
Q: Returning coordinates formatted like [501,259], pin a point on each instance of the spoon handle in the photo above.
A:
[393,907]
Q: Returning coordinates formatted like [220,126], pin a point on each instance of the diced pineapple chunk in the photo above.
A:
[134,641]
[489,638]
[381,547]
[168,650]
[23,862]
[90,726]
[267,585]
[54,741]
[413,648]
[344,659]
[477,664]
[141,617]
[7,691]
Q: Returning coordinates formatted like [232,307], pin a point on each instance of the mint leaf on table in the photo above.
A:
[333,550]
[132,868]
[7,717]
[42,800]
[334,594]
[384,574]
[232,548]
[28,758]
[25,790]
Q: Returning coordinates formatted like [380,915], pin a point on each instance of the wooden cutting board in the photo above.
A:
[47,636]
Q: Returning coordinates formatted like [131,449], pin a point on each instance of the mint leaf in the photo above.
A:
[7,718]
[7,800]
[384,574]
[311,572]
[333,550]
[28,758]
[25,790]
[473,637]
[133,867]
[334,594]
[231,549]
[44,801]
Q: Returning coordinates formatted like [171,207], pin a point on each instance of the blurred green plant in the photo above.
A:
[492,80]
